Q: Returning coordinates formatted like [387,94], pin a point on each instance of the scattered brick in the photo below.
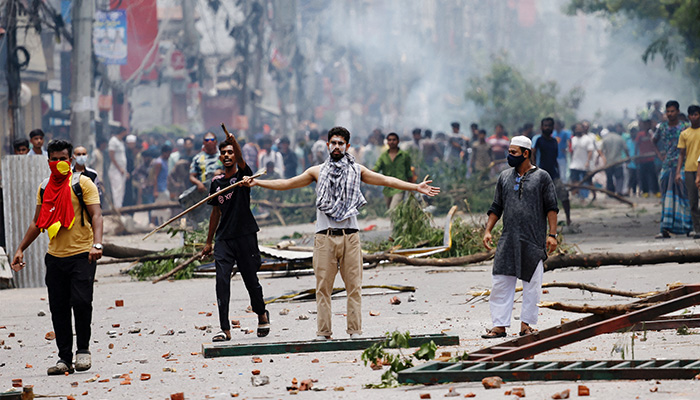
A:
[119,303]
[583,390]
[518,391]
[50,335]
[425,395]
[492,382]
[561,395]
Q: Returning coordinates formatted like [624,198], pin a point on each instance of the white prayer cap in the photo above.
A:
[180,142]
[521,141]
[131,138]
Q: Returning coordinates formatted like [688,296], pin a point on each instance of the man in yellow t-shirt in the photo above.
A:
[74,248]
[689,150]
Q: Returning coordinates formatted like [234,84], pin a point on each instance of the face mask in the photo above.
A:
[81,160]
[515,161]
[59,169]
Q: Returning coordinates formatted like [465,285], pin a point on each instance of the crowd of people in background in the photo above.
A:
[654,154]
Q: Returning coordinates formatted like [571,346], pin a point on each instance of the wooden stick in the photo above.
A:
[434,262]
[206,199]
[597,189]
[142,259]
[606,166]
[595,260]
[601,310]
[596,289]
[178,268]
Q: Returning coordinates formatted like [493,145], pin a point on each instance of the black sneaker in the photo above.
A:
[663,235]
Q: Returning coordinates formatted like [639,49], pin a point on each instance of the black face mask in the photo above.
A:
[515,161]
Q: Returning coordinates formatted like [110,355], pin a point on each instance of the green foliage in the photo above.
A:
[671,24]
[194,242]
[413,228]
[506,95]
[376,354]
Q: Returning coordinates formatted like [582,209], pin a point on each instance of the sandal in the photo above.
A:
[221,337]
[264,329]
[528,331]
[491,334]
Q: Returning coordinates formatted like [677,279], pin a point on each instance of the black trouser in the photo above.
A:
[647,177]
[692,191]
[614,178]
[244,252]
[69,281]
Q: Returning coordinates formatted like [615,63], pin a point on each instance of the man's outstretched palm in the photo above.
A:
[425,188]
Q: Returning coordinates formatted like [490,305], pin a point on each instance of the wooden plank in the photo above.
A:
[228,349]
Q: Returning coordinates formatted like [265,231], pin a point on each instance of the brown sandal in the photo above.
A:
[528,331]
[491,334]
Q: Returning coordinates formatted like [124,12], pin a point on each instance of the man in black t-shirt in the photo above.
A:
[236,239]
[546,153]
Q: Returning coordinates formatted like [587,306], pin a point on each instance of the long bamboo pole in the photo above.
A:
[203,201]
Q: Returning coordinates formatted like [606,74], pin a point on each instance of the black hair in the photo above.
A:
[313,135]
[189,139]
[21,142]
[393,134]
[416,130]
[60,145]
[482,131]
[339,131]
[522,151]
[284,139]
[529,125]
[547,119]
[455,124]
[166,148]
[693,109]
[224,144]
[36,132]
[474,125]
[673,103]
[428,133]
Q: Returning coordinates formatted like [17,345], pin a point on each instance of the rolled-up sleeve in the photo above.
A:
[497,205]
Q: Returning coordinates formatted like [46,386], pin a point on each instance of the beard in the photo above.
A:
[337,156]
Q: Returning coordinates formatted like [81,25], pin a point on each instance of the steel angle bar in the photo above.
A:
[464,371]
[211,350]
[593,325]
[670,322]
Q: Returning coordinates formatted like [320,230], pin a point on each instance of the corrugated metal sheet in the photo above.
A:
[21,177]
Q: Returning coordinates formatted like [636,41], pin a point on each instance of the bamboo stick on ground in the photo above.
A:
[595,260]
[597,189]
[157,257]
[434,262]
[582,286]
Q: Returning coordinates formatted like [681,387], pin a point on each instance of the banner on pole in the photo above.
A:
[110,37]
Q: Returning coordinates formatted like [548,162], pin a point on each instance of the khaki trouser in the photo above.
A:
[393,201]
[333,253]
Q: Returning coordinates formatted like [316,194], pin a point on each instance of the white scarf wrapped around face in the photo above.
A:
[338,192]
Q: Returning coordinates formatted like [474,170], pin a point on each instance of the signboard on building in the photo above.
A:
[110,37]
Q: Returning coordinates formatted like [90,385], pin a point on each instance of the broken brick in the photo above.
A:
[17,382]
[395,301]
[452,392]
[470,394]
[119,303]
[145,377]
[492,382]
[425,395]
[561,395]
[177,396]
[12,334]
[518,391]
[116,325]
[103,381]
[255,372]
[50,335]
[374,313]
[306,384]
[583,390]
[257,360]
[654,389]
[294,381]
[74,384]
[111,346]
[507,393]
[28,366]
[315,361]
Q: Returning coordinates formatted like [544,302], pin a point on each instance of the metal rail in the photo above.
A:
[227,349]
[470,371]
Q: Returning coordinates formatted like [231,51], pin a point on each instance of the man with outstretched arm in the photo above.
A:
[236,239]
[526,199]
[68,208]
[337,241]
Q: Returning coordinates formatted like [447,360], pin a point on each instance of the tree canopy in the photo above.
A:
[507,96]
[674,27]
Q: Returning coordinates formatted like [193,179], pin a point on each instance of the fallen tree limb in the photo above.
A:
[597,189]
[116,251]
[433,262]
[157,257]
[592,173]
[310,294]
[600,310]
[595,260]
[178,268]
[597,289]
